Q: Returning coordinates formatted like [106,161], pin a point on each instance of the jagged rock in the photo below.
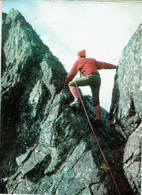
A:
[48,147]
[126,110]
[132,160]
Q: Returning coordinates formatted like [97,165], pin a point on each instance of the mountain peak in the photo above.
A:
[14,13]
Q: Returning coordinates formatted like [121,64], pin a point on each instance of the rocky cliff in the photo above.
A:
[48,147]
[126,109]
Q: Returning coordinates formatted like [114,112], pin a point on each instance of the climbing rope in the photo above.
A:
[97,140]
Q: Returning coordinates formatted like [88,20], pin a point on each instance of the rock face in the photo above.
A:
[48,147]
[126,110]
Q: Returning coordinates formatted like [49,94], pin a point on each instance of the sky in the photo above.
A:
[101,28]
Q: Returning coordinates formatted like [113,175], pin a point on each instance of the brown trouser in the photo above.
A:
[94,81]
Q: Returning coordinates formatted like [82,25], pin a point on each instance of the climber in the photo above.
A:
[89,68]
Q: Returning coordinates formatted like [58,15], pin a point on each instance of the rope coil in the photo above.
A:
[97,141]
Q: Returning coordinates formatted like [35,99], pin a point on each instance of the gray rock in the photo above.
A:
[126,109]
[132,159]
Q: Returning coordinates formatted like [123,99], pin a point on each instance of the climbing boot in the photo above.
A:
[75,104]
[98,122]
[112,124]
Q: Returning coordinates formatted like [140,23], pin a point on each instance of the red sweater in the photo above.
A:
[87,66]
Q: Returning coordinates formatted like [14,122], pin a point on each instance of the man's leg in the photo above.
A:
[83,81]
[98,112]
[74,92]
[95,88]
[97,109]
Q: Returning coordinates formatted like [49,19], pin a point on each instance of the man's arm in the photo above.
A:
[72,73]
[104,65]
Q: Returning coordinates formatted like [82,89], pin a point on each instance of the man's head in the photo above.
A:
[81,54]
